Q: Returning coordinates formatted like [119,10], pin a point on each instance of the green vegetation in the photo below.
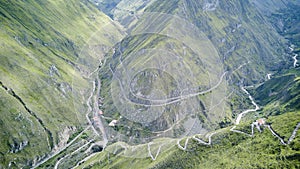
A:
[157,84]
[280,93]
[42,63]
[246,52]
[16,127]
[286,21]
[72,154]
[229,150]
[278,97]
[48,50]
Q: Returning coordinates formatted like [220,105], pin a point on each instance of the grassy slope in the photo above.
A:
[238,31]
[288,24]
[229,150]
[280,93]
[241,35]
[233,150]
[36,35]
[260,49]
[24,127]
[150,41]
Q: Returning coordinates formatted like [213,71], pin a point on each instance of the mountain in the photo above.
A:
[221,38]
[133,83]
[44,80]
[229,150]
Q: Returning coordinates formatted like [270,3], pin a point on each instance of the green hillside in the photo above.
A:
[249,52]
[229,150]
[211,42]
[281,92]
[42,69]
[149,84]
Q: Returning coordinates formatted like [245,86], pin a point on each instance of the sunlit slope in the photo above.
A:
[244,45]
[43,65]
[279,101]
[228,150]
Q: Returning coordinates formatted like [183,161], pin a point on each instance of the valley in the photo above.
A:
[149,84]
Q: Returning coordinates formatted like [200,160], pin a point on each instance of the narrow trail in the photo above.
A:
[203,142]
[150,154]
[241,132]
[94,110]
[185,144]
[295,60]
[269,76]
[238,119]
[208,136]
[280,138]
[294,133]
[275,134]
[295,64]
[168,101]
[90,109]
[59,151]
[78,149]
[84,160]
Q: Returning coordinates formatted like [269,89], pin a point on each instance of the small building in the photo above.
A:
[113,123]
[261,122]
[100,112]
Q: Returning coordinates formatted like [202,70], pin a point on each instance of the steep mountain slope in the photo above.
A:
[123,11]
[281,93]
[228,150]
[235,150]
[114,84]
[43,74]
[249,48]
[287,24]
[222,37]
[268,7]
